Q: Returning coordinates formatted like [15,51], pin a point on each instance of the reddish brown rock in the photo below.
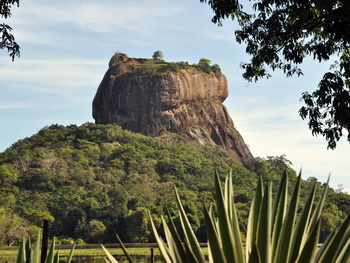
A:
[135,95]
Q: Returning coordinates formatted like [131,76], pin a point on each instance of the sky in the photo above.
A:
[66,47]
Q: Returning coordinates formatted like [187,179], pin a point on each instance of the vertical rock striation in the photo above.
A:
[158,100]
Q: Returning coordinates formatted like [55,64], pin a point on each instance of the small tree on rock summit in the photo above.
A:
[157,55]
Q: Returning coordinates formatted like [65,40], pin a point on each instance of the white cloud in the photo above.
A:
[7,106]
[64,76]
[61,38]
[106,16]
[275,130]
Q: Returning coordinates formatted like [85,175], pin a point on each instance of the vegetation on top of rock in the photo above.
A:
[157,55]
[157,66]
[91,180]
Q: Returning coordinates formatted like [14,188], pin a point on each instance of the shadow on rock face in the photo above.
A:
[151,98]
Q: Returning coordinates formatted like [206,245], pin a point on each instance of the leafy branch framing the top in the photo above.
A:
[281,34]
[7,40]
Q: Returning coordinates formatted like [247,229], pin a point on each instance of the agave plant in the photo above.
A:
[276,232]
[113,259]
[31,254]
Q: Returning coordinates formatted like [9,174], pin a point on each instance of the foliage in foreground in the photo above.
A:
[29,253]
[276,231]
[281,34]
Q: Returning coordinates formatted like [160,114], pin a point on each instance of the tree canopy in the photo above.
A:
[7,40]
[157,55]
[91,180]
[280,34]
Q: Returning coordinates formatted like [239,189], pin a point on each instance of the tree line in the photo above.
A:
[91,181]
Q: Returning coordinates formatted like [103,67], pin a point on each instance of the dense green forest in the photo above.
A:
[91,181]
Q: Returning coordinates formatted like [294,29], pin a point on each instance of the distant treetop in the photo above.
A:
[157,55]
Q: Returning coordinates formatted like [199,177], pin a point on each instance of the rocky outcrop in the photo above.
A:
[158,100]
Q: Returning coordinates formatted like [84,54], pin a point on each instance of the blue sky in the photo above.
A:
[66,47]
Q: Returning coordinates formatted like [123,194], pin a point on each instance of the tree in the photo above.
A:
[280,34]
[204,65]
[12,227]
[7,40]
[157,55]
[94,231]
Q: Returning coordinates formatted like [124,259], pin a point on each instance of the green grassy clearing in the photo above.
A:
[93,255]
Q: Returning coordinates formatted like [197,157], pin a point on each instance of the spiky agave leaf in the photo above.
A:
[285,240]
[263,236]
[69,259]
[35,256]
[335,249]
[307,254]
[124,249]
[190,238]
[273,235]
[253,220]
[214,240]
[56,259]
[301,235]
[279,212]
[164,250]
[21,256]
[50,255]
[109,255]
[232,213]
[177,244]
[224,224]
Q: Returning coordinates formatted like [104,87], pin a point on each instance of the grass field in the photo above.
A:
[90,255]
[95,254]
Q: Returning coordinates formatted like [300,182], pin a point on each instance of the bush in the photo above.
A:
[276,231]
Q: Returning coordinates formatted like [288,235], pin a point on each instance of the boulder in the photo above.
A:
[159,99]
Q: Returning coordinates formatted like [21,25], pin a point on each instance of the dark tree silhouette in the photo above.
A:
[7,40]
[280,34]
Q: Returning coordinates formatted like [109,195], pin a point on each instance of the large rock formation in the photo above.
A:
[160,100]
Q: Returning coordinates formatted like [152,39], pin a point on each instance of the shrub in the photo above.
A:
[29,253]
[276,233]
[157,55]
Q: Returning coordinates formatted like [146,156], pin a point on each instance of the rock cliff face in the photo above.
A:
[148,99]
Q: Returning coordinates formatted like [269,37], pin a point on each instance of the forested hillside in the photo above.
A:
[91,181]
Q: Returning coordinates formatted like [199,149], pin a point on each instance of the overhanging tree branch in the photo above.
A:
[279,34]
[7,40]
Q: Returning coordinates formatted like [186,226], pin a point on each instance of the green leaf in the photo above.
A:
[300,235]
[254,255]
[224,223]
[213,237]
[28,250]
[285,241]
[173,250]
[109,255]
[21,256]
[36,255]
[69,259]
[263,241]
[161,245]
[50,255]
[177,243]
[344,255]
[124,249]
[57,257]
[190,237]
[254,219]
[308,251]
[237,241]
[279,212]
[337,243]
[319,207]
